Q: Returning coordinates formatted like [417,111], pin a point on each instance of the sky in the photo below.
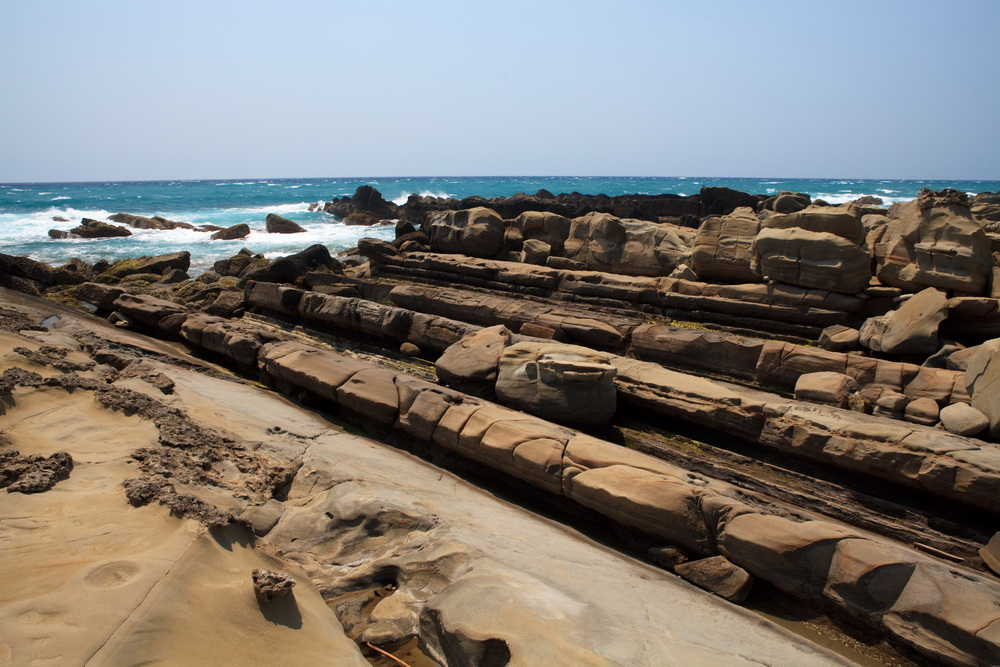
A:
[116,90]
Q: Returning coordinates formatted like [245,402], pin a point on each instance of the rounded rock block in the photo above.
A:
[565,383]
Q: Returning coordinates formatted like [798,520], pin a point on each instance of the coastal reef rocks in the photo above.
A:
[242,230]
[91,229]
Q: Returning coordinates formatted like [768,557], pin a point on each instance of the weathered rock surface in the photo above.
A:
[476,232]
[91,229]
[934,242]
[963,419]
[567,384]
[820,260]
[911,329]
[275,224]
[718,575]
[825,387]
[471,364]
[721,249]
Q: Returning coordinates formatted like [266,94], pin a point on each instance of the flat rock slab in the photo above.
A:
[549,594]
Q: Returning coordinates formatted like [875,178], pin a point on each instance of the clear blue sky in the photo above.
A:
[158,90]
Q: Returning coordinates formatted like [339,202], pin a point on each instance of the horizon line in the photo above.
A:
[536,176]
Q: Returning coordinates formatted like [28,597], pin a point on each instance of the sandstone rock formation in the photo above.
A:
[564,383]
[911,329]
[934,242]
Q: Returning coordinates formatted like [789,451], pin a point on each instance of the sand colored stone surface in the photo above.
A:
[90,579]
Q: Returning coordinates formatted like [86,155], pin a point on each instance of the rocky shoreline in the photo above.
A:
[551,339]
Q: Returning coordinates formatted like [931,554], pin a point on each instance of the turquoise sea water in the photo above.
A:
[27,209]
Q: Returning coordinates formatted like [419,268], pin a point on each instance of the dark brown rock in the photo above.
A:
[268,585]
[275,224]
[232,233]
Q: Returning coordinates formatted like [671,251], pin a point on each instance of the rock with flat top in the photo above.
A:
[565,383]
[718,575]
[825,387]
[471,364]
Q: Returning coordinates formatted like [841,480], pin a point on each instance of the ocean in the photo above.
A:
[27,210]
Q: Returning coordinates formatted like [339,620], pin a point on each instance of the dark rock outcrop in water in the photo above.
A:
[365,200]
[91,229]
[275,224]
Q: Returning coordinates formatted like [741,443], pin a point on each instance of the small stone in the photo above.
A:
[891,404]
[963,419]
[838,338]
[268,585]
[718,575]
[922,411]
[409,349]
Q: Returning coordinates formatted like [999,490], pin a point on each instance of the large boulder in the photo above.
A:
[843,221]
[934,241]
[547,228]
[910,329]
[602,242]
[722,248]
[477,232]
[471,364]
[820,260]
[275,224]
[564,383]
[365,199]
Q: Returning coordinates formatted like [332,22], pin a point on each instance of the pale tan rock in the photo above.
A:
[910,329]
[930,243]
[805,258]
[982,381]
[795,556]
[721,251]
[471,364]
[565,383]
[839,338]
[718,575]
[843,221]
[891,404]
[602,242]
[963,419]
[922,411]
[866,577]
[941,612]
[830,388]
[476,232]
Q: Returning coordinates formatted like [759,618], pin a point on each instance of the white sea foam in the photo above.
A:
[57,198]
[299,207]
[401,199]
